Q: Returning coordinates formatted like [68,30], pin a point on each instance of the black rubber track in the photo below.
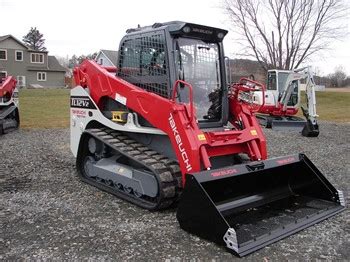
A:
[166,171]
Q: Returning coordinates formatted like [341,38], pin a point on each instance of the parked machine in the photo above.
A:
[164,128]
[9,114]
[282,101]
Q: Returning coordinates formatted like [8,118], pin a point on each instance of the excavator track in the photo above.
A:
[165,171]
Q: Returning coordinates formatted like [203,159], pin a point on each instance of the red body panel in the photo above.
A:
[278,111]
[7,86]
[192,146]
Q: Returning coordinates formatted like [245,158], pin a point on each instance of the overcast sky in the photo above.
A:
[83,27]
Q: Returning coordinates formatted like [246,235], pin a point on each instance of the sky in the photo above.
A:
[83,27]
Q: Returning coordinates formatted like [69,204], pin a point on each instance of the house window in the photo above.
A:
[41,76]
[101,61]
[3,74]
[37,58]
[3,54]
[19,55]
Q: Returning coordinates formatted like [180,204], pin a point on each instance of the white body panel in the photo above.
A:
[271,97]
[81,117]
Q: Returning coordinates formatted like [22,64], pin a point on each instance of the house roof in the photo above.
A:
[37,51]
[53,66]
[111,55]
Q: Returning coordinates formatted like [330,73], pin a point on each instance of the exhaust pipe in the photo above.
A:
[246,207]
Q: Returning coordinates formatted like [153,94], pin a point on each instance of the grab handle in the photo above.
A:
[189,86]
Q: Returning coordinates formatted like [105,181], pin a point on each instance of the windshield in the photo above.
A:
[198,64]
[282,85]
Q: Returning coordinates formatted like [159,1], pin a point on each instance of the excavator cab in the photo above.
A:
[277,85]
[282,85]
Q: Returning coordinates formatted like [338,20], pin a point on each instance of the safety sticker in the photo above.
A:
[201,137]
[253,132]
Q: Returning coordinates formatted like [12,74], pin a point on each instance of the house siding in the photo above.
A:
[11,44]
[11,65]
[53,79]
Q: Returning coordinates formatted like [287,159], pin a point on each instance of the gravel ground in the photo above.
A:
[47,213]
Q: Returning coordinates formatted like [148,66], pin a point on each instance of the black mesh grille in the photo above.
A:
[143,62]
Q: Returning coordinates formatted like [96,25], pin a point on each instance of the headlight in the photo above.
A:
[186,29]
[220,35]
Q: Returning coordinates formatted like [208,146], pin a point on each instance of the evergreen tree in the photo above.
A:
[34,40]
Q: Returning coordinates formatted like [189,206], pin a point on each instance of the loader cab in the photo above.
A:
[154,57]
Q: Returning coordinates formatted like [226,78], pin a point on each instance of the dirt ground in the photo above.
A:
[47,213]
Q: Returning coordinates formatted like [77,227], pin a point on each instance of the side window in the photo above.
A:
[271,81]
[142,62]
[129,58]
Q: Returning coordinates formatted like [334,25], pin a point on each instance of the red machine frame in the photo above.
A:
[8,86]
[192,146]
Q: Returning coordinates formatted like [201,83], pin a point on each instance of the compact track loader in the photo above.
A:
[9,114]
[164,128]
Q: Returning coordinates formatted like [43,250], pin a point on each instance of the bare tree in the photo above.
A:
[338,78]
[284,33]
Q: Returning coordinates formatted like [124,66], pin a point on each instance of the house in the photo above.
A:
[107,57]
[32,68]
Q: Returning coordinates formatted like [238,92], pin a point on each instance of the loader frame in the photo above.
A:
[192,146]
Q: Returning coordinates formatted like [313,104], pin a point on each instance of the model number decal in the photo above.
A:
[81,102]
[179,143]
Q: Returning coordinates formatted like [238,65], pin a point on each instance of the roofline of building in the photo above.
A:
[21,43]
[101,51]
[45,70]
[14,38]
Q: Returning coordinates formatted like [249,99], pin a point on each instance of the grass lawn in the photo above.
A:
[44,108]
[333,106]
[49,108]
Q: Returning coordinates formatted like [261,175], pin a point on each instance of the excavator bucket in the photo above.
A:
[246,207]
